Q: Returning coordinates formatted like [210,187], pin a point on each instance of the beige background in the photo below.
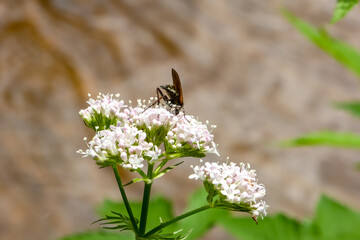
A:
[243,68]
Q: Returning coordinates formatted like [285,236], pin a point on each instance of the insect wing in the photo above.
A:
[177,86]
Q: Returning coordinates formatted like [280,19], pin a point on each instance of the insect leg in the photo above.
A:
[185,116]
[162,96]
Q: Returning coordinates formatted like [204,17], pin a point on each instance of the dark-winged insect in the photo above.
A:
[173,95]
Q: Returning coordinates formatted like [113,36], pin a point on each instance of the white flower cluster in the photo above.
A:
[154,117]
[104,104]
[127,140]
[191,131]
[238,184]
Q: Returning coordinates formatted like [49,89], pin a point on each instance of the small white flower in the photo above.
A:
[230,191]
[154,153]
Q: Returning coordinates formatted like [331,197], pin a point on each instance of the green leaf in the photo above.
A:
[352,107]
[159,208]
[202,222]
[336,221]
[332,221]
[278,227]
[342,8]
[343,53]
[325,138]
[99,235]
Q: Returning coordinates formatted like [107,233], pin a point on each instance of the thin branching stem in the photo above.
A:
[146,201]
[123,195]
[178,218]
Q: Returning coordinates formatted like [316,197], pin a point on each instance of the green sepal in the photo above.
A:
[213,193]
[157,134]
[237,207]
[110,161]
[186,150]
[100,122]
[217,200]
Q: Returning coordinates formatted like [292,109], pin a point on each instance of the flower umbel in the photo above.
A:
[102,111]
[128,135]
[232,187]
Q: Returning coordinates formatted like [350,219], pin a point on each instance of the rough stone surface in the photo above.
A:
[243,67]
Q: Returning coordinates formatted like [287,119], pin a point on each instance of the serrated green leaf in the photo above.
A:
[342,52]
[352,107]
[100,235]
[159,208]
[325,138]
[116,221]
[342,8]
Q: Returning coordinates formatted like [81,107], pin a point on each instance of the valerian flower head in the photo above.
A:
[102,111]
[129,135]
[232,187]
[124,145]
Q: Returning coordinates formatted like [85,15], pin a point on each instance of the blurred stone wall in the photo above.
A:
[243,68]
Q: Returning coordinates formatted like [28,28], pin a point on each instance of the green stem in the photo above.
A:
[178,218]
[158,169]
[146,201]
[126,202]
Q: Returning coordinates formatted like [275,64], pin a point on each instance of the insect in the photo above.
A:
[173,95]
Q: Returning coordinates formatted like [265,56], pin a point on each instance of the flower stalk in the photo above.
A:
[176,219]
[124,197]
[146,201]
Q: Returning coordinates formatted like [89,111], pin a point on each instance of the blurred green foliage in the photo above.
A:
[326,138]
[331,221]
[352,107]
[345,54]
[342,8]
[100,235]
